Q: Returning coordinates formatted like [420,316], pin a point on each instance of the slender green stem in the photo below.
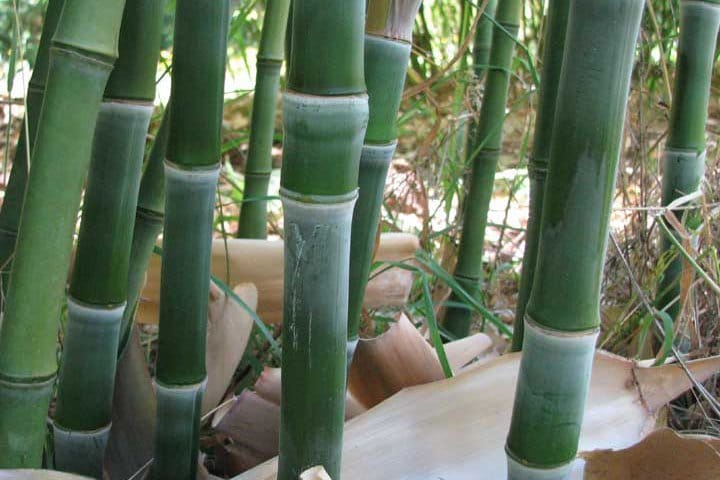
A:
[253,213]
[684,157]
[325,112]
[387,53]
[482,45]
[98,289]
[562,318]
[148,225]
[191,172]
[488,141]
[15,191]
[554,46]
[84,48]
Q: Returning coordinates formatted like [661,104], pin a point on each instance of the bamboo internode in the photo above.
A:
[253,213]
[15,190]
[192,167]
[562,317]
[81,58]
[388,40]
[325,112]
[484,158]
[99,284]
[684,156]
[540,156]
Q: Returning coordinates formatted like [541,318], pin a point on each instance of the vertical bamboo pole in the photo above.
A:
[482,44]
[81,58]
[684,156]
[488,134]
[98,289]
[191,173]
[562,317]
[325,111]
[554,45]
[15,191]
[148,225]
[388,39]
[253,213]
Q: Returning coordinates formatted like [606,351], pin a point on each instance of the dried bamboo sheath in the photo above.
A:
[562,317]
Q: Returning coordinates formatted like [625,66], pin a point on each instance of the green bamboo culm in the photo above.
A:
[482,44]
[253,213]
[149,217]
[484,156]
[563,314]
[133,387]
[82,54]
[388,41]
[554,45]
[325,114]
[191,172]
[684,156]
[15,191]
[98,288]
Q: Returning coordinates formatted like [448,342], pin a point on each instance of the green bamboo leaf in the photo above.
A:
[437,270]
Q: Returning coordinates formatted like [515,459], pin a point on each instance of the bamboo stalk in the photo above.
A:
[81,59]
[15,191]
[148,225]
[684,156]
[98,289]
[554,46]
[325,112]
[253,213]
[482,44]
[191,173]
[388,39]
[562,317]
[130,443]
[260,262]
[485,156]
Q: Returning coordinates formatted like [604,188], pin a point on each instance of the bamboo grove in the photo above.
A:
[88,202]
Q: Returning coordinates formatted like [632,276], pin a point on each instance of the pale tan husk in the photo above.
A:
[260,262]
[455,428]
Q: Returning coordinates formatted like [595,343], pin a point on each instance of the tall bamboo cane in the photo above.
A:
[684,156]
[554,45]
[98,290]
[562,318]
[488,142]
[132,381]
[15,191]
[482,44]
[81,58]
[325,111]
[388,38]
[148,225]
[253,213]
[191,173]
